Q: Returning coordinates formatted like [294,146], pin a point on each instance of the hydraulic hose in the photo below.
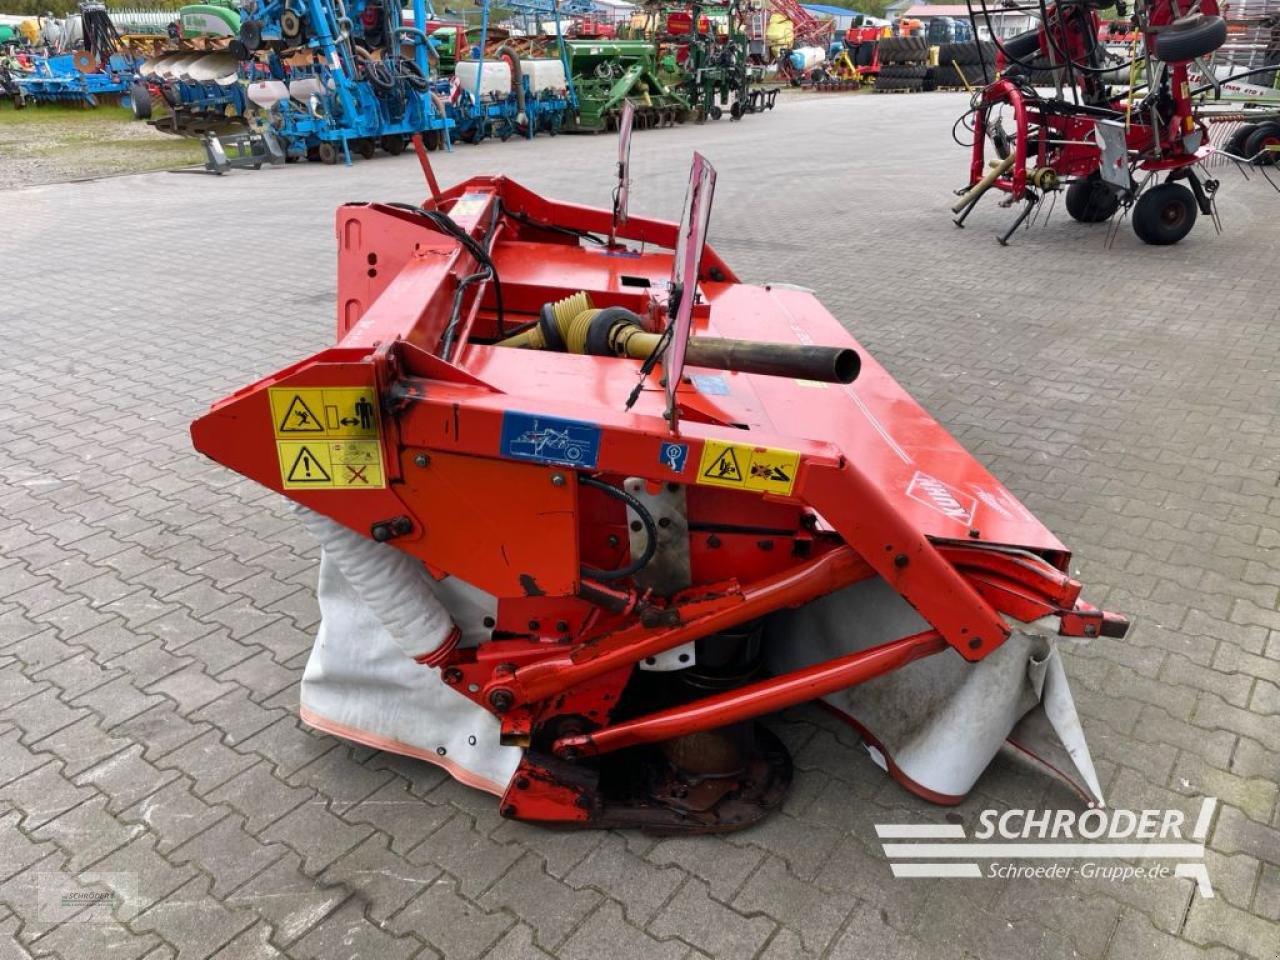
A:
[517,79]
[646,520]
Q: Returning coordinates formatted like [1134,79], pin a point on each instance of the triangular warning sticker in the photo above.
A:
[300,418]
[306,469]
[724,467]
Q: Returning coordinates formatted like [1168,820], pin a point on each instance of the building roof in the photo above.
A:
[829,11]
[922,11]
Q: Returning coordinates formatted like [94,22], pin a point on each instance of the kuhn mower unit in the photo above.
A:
[1106,146]
[590,506]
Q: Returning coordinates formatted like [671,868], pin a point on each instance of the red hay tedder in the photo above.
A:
[590,505]
[1105,146]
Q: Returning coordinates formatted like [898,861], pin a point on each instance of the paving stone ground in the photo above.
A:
[159,798]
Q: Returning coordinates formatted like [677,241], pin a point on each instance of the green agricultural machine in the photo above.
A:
[705,46]
[608,73]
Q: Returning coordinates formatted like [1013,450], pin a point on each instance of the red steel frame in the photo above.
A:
[887,494]
[1067,145]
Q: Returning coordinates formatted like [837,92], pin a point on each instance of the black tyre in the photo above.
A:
[930,79]
[1164,214]
[1239,139]
[966,54]
[327,153]
[394,144]
[900,71]
[903,50]
[1190,37]
[1022,46]
[366,148]
[140,100]
[1091,200]
[1262,136]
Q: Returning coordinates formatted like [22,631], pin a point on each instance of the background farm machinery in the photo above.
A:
[97,67]
[500,88]
[705,49]
[608,74]
[331,77]
[1106,148]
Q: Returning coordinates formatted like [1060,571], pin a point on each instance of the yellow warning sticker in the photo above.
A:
[327,438]
[328,465]
[301,413]
[744,467]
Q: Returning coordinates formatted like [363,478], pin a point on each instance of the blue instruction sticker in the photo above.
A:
[570,443]
[711,384]
[674,455]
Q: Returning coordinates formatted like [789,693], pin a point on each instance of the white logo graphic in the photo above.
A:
[1080,839]
[932,492]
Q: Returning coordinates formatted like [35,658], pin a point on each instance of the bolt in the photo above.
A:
[421,460]
[557,479]
[664,522]
[975,533]
[534,624]
[900,561]
[490,623]
[1090,631]
[509,812]
[501,700]
[562,626]
[713,542]
[522,783]
[380,532]
[452,676]
[613,540]
[975,643]
[765,545]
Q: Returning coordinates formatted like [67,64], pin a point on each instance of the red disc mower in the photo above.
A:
[1115,136]
[590,506]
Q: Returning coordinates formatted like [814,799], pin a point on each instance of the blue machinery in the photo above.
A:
[328,90]
[533,104]
[334,78]
[69,77]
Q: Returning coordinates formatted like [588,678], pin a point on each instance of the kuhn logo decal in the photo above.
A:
[932,492]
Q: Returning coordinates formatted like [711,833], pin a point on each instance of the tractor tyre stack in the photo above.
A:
[903,64]
[958,62]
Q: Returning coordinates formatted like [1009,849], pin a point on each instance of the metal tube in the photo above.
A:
[755,699]
[804,362]
[974,193]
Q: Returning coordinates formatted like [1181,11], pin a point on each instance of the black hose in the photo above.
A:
[528,221]
[650,530]
[517,74]
[488,271]
[412,74]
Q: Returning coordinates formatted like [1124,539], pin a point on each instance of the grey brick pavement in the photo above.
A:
[156,610]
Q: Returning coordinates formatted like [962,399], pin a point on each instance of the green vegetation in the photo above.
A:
[60,8]
[55,142]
